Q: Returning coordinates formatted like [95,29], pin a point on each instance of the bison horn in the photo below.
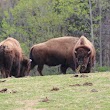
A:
[89,52]
[30,60]
[75,51]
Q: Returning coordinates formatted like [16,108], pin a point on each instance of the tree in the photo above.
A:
[100,39]
[92,35]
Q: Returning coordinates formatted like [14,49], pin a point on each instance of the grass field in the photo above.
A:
[56,92]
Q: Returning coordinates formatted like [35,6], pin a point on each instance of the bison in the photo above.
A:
[84,55]
[56,51]
[12,60]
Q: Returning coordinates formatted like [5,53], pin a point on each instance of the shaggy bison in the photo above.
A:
[12,60]
[56,51]
[84,55]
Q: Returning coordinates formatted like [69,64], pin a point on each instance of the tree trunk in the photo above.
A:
[92,34]
[100,39]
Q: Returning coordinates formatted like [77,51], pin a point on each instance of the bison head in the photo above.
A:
[25,67]
[82,57]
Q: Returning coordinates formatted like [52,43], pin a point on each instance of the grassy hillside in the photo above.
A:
[56,92]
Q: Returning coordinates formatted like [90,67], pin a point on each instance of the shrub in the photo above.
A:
[103,69]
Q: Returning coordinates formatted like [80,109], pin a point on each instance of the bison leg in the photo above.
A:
[17,69]
[3,74]
[8,67]
[63,69]
[7,73]
[39,69]
[88,70]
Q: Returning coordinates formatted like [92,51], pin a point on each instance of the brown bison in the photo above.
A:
[84,55]
[12,60]
[56,51]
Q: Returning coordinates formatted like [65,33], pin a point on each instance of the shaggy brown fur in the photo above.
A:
[56,51]
[84,55]
[12,60]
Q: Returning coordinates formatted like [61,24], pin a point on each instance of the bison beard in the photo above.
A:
[56,51]
[84,55]
[12,58]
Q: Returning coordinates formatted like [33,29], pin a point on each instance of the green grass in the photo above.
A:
[30,93]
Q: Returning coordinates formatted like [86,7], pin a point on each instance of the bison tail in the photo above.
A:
[31,59]
[30,56]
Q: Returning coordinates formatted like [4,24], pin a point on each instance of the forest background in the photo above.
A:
[35,21]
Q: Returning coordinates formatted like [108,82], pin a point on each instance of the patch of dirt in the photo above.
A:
[94,90]
[41,109]
[87,84]
[76,75]
[55,89]
[75,85]
[12,91]
[28,105]
[3,90]
[45,100]
[84,76]
[2,81]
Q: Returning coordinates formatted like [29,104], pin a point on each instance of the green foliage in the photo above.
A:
[103,69]
[38,21]
[24,47]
